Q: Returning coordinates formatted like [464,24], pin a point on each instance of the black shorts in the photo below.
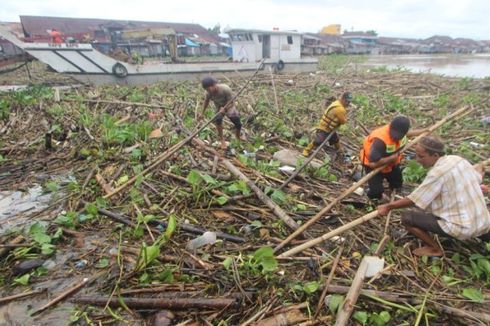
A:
[235,120]
[376,188]
[321,135]
[424,221]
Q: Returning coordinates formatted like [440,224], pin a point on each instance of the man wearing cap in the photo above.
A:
[382,147]
[222,96]
[451,199]
[334,116]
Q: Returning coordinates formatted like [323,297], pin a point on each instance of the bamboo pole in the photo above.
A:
[278,211]
[351,297]
[329,235]
[404,298]
[368,176]
[343,228]
[274,89]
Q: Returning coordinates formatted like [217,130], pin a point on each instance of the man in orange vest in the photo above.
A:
[334,116]
[382,147]
[56,36]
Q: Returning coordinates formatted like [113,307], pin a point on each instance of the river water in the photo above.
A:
[454,65]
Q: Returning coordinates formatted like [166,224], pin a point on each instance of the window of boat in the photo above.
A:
[260,38]
[290,39]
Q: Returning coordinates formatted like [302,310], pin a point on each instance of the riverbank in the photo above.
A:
[135,243]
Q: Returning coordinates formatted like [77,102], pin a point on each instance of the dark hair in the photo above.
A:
[347,96]
[400,125]
[432,145]
[208,81]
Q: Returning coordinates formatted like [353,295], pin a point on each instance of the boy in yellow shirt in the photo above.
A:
[334,116]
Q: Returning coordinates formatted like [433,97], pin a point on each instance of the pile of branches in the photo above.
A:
[121,234]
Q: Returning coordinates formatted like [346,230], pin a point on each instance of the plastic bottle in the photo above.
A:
[205,239]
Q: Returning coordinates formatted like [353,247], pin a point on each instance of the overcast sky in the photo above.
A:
[403,18]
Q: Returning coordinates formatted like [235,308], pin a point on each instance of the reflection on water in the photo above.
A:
[472,65]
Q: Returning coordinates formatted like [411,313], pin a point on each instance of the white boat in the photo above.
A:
[84,63]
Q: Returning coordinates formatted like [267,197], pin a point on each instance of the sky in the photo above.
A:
[392,18]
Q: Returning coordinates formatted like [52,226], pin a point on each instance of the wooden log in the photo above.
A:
[368,176]
[329,235]
[160,303]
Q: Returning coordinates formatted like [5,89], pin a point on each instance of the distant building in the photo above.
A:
[361,43]
[333,29]
[192,39]
[318,44]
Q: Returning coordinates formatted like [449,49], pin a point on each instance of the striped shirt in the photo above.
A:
[452,192]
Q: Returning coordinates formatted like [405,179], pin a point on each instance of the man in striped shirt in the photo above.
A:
[450,196]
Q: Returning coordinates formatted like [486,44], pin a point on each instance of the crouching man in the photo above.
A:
[450,197]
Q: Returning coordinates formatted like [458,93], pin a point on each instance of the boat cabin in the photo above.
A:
[250,45]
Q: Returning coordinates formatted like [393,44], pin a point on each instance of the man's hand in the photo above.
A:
[383,210]
[222,110]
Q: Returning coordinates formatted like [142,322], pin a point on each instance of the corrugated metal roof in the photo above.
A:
[35,27]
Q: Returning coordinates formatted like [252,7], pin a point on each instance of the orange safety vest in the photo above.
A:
[56,35]
[382,133]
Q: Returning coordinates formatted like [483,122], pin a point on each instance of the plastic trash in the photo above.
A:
[205,239]
[81,264]
[113,251]
[359,191]
[476,145]
[287,169]
[375,265]
[249,154]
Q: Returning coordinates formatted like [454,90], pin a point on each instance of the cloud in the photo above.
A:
[404,18]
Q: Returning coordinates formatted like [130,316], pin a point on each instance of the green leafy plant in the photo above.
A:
[22,280]
[38,234]
[374,318]
[414,172]
[473,294]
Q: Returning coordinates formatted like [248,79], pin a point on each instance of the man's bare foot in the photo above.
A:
[223,145]
[428,251]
